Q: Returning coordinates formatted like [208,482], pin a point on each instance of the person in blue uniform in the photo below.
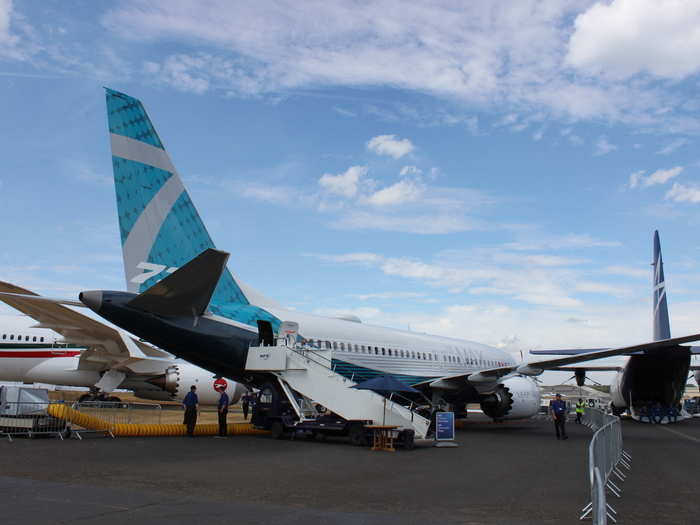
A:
[223,412]
[557,408]
[191,402]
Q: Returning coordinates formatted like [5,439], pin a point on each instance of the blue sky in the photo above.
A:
[491,172]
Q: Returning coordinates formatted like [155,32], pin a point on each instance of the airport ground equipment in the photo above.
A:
[605,457]
[24,411]
[303,394]
[117,427]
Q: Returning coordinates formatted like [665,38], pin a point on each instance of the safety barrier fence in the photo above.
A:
[112,419]
[605,456]
[20,418]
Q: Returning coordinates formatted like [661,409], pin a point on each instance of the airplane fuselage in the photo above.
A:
[357,351]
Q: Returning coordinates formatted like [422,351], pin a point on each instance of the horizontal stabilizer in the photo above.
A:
[187,291]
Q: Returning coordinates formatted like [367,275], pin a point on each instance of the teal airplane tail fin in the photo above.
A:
[160,227]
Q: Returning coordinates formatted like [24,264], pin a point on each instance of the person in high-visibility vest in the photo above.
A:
[580,408]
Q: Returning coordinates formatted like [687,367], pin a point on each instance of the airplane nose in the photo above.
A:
[92,299]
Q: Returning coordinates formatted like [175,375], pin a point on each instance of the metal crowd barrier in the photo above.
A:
[103,416]
[605,455]
[30,419]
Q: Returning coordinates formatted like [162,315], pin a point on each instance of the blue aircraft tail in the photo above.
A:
[160,227]
[662,329]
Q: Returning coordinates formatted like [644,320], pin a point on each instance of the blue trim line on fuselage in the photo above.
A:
[360,373]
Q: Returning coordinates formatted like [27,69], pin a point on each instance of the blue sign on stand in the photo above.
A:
[445,426]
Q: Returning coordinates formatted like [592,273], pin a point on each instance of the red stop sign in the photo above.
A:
[220,384]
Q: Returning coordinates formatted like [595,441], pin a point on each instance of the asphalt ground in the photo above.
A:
[501,473]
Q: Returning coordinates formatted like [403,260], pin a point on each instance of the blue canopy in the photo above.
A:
[385,383]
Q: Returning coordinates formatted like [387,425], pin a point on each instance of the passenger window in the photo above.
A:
[26,338]
[12,337]
[34,338]
[363,348]
[389,352]
[383,351]
[335,345]
[42,339]
[4,336]
[342,346]
[328,345]
[376,351]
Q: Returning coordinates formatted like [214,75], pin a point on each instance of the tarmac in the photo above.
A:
[509,473]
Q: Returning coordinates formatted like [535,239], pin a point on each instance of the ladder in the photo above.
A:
[309,373]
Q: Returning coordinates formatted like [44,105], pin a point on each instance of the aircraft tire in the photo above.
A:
[357,434]
[277,429]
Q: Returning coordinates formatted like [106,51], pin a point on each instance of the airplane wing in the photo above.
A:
[534,368]
[107,347]
[566,351]
[587,368]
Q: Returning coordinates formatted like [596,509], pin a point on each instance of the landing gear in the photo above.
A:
[357,434]
[277,429]
[97,396]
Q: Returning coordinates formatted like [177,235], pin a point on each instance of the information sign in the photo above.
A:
[445,426]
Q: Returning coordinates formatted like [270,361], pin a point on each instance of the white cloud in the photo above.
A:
[627,271]
[602,288]
[89,176]
[387,295]
[410,170]
[10,43]
[673,146]
[390,145]
[5,11]
[683,193]
[626,37]
[344,112]
[603,146]
[541,279]
[637,179]
[504,55]
[422,224]
[537,241]
[399,193]
[180,71]
[344,184]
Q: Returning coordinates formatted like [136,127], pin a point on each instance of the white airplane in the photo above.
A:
[649,378]
[68,348]
[182,298]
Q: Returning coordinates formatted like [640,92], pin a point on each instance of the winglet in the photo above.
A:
[187,291]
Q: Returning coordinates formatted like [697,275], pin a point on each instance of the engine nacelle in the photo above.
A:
[178,379]
[514,398]
[617,397]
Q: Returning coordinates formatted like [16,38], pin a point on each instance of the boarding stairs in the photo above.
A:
[309,372]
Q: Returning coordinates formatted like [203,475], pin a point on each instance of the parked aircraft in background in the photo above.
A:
[648,378]
[70,349]
[199,312]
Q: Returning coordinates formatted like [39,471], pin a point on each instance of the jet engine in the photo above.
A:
[177,380]
[514,398]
